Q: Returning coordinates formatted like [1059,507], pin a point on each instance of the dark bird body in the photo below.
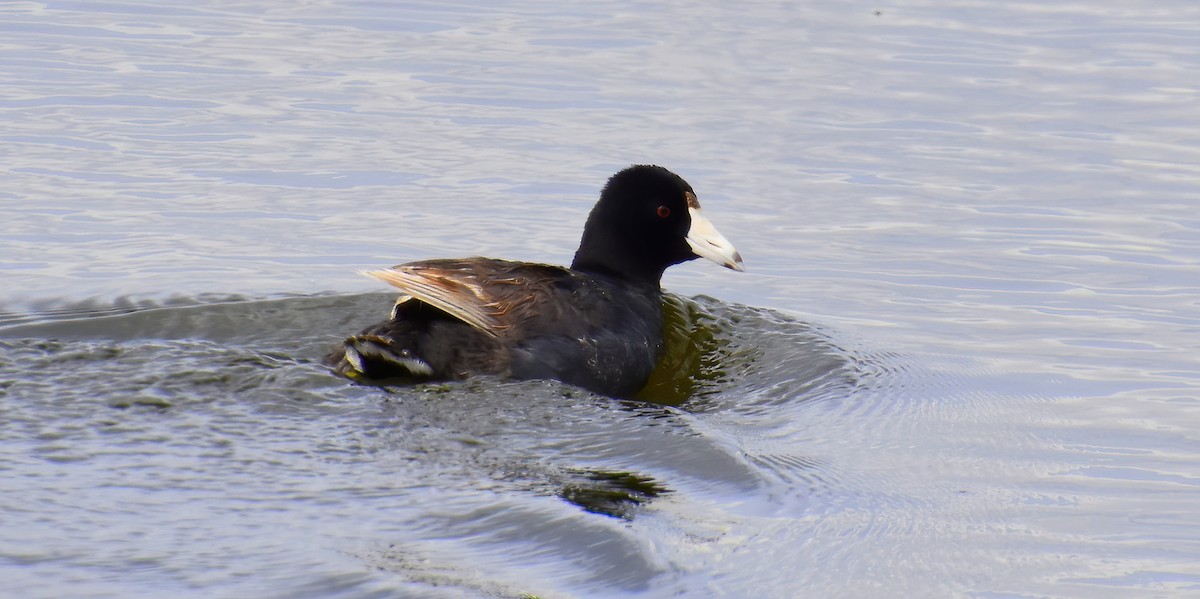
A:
[597,324]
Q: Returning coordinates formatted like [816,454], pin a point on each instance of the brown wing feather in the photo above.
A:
[490,295]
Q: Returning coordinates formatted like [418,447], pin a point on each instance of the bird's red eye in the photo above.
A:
[664,212]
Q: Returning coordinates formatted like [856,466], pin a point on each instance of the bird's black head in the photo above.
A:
[647,219]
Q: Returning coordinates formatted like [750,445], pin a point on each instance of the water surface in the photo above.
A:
[963,361]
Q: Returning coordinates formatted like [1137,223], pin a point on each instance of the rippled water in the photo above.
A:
[963,363]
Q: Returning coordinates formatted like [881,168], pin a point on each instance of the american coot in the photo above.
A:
[597,324]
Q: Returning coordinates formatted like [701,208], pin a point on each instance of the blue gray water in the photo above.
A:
[965,360]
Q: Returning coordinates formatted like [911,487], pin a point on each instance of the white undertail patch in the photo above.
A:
[358,349]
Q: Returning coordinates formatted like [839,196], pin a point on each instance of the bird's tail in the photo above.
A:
[379,357]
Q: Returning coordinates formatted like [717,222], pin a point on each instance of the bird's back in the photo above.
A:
[526,321]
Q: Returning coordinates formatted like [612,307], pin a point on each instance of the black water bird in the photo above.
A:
[597,324]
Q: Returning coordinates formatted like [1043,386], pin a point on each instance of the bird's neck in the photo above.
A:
[617,263]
